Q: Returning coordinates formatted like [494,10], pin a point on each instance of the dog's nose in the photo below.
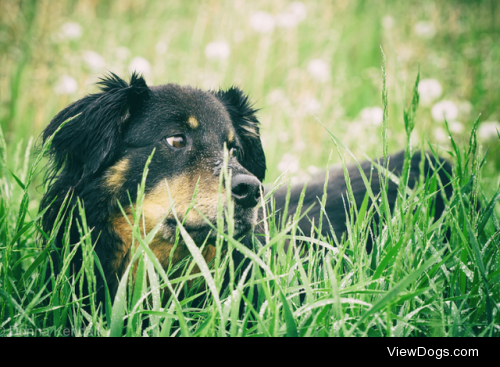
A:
[246,190]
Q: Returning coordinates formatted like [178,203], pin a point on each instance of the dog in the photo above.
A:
[99,155]
[336,207]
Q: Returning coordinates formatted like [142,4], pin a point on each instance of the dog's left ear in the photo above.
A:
[89,141]
[245,122]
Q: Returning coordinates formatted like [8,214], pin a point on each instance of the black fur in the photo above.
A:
[128,121]
[240,109]
[83,147]
[337,205]
[100,154]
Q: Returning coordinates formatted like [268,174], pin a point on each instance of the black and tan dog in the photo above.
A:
[99,157]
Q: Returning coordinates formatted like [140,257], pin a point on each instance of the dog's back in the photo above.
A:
[337,196]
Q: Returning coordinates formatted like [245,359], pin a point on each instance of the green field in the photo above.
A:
[305,65]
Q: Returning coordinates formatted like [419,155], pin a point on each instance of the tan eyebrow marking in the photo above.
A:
[193,122]
[230,136]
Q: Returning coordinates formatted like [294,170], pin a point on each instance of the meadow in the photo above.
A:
[315,71]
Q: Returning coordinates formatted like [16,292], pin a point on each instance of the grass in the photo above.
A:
[414,283]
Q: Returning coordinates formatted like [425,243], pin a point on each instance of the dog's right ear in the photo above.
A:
[90,140]
[243,115]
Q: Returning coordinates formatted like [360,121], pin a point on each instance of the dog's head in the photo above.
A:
[101,155]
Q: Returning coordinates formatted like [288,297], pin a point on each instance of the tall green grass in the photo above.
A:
[413,283]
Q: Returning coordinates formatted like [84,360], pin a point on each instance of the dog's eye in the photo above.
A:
[177,141]
[234,152]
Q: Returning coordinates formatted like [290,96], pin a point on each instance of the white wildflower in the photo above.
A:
[291,17]
[300,178]
[288,163]
[70,30]
[488,130]
[276,96]
[283,137]
[286,20]
[356,129]
[319,70]
[430,90]
[122,53]
[388,22]
[262,22]
[456,127]
[313,170]
[66,85]
[440,135]
[444,110]
[209,79]
[140,65]
[425,29]
[161,47]
[278,99]
[217,50]
[299,9]
[311,106]
[93,60]
[299,146]
[372,116]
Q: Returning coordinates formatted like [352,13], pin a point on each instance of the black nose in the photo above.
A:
[246,190]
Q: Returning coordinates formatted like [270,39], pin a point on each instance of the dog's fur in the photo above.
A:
[99,157]
[337,195]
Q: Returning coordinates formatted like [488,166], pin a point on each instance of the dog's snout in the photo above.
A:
[246,190]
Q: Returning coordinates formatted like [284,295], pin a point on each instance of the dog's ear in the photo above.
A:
[247,127]
[89,141]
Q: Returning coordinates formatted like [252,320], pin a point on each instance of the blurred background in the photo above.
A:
[299,62]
